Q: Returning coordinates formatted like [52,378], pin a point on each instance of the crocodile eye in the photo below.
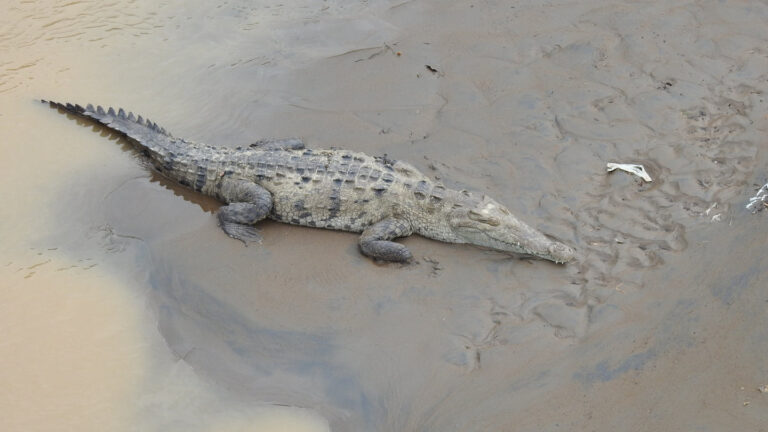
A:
[483,218]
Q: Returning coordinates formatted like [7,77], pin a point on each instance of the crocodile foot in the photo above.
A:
[244,233]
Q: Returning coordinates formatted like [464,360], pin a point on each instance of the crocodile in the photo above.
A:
[283,180]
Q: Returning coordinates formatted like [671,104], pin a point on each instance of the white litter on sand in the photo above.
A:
[637,170]
[760,200]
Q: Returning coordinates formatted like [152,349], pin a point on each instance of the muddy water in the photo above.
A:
[124,307]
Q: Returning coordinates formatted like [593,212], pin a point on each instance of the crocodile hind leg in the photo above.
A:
[375,241]
[247,203]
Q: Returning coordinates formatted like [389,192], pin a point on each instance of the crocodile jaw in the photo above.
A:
[491,225]
[516,237]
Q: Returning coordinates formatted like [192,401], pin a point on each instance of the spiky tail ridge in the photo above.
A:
[150,138]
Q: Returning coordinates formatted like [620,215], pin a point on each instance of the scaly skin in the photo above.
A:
[334,189]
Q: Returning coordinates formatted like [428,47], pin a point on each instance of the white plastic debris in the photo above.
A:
[760,200]
[637,170]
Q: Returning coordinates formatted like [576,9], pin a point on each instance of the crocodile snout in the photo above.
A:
[561,253]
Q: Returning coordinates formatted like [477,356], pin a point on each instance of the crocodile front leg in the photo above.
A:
[247,203]
[375,240]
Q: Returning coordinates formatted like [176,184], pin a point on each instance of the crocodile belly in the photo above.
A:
[321,209]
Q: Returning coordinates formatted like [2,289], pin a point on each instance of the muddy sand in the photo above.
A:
[124,307]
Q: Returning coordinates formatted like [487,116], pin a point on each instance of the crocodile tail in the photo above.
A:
[148,135]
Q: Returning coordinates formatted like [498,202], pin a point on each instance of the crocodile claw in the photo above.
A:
[244,233]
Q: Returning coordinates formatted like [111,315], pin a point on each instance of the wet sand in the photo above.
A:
[125,307]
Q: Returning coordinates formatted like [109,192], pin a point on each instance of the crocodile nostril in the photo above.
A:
[561,252]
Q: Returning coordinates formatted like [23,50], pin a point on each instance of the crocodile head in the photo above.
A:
[491,225]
